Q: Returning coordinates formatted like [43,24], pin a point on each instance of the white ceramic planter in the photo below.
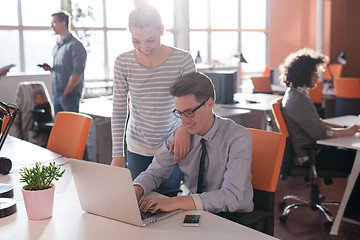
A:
[39,204]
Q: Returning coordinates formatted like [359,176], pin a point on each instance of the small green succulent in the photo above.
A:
[40,177]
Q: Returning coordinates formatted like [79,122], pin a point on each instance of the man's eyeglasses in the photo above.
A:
[188,113]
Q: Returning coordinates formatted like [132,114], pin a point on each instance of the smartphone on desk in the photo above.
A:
[191,220]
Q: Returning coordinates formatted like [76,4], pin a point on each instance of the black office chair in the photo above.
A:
[310,173]
[43,120]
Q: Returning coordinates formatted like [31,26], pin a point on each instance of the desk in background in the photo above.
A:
[352,142]
[70,222]
[259,105]
[99,144]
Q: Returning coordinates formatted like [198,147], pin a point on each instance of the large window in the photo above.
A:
[218,29]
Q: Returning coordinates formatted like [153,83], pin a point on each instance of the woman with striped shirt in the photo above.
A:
[146,74]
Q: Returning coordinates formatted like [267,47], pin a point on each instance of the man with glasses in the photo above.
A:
[217,170]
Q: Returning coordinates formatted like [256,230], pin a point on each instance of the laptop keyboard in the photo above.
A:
[145,215]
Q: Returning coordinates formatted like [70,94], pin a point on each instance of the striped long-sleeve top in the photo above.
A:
[151,120]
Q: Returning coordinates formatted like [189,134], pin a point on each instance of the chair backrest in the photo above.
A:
[334,70]
[69,134]
[267,153]
[279,118]
[276,106]
[261,84]
[347,96]
[316,94]
[347,87]
[267,71]
[28,95]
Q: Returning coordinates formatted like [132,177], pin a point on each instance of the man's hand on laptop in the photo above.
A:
[154,204]
[118,162]
[166,204]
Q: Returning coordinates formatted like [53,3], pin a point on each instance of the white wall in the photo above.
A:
[8,84]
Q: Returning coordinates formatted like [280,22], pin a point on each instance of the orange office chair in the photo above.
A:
[267,153]
[69,135]
[333,71]
[316,201]
[261,84]
[347,96]
[316,96]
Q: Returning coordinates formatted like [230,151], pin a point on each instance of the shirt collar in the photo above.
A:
[210,134]
[302,90]
[62,39]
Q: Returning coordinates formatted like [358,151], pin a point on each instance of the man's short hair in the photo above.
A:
[195,83]
[62,16]
[298,67]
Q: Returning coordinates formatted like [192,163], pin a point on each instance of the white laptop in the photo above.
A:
[108,191]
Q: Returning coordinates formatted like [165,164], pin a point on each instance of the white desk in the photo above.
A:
[70,222]
[259,105]
[25,154]
[352,142]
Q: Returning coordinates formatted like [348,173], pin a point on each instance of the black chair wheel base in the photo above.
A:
[328,224]
[283,218]
[282,205]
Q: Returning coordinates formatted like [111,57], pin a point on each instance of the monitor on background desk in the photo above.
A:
[225,85]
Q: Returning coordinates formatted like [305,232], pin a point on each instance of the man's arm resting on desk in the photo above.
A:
[341,132]
[163,204]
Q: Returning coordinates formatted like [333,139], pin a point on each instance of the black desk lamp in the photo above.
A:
[10,110]
[241,57]
[7,205]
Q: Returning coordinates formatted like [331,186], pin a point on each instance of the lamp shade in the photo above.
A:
[341,58]
[242,59]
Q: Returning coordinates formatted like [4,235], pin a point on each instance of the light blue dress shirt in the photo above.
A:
[227,177]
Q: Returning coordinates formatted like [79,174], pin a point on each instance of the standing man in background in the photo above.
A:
[67,73]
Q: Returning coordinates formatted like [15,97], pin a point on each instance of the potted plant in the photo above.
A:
[39,191]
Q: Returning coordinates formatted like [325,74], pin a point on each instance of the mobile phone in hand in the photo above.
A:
[191,220]
[43,65]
